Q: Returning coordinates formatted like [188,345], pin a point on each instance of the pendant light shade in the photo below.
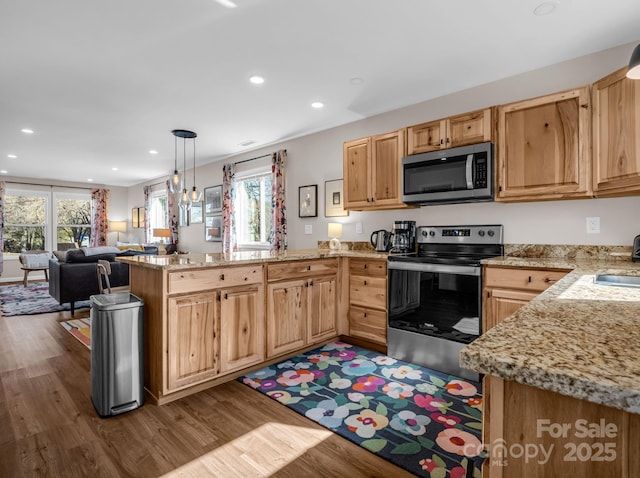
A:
[185,198]
[634,64]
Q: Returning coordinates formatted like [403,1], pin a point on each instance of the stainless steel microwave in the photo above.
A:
[455,175]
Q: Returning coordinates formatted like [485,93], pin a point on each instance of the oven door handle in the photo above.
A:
[441,268]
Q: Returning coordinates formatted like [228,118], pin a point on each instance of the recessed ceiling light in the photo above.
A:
[3,171]
[356,81]
[227,3]
[256,80]
[246,143]
[545,8]
[27,130]
[317,105]
[153,151]
[114,169]
[12,156]
[90,180]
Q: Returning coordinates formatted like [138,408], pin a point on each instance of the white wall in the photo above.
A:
[317,158]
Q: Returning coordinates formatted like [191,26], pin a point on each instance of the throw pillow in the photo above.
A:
[60,255]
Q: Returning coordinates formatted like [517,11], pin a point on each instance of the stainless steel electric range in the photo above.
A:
[435,295]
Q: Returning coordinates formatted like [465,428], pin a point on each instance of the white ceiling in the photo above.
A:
[103,82]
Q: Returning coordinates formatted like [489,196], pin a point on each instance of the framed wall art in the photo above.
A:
[213,228]
[195,213]
[308,201]
[334,199]
[213,199]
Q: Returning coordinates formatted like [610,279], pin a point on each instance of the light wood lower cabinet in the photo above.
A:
[301,304]
[217,331]
[507,289]
[193,329]
[368,299]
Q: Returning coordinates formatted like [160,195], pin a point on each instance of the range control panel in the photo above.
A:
[477,234]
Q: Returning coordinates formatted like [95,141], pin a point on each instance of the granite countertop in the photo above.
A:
[576,338]
[212,259]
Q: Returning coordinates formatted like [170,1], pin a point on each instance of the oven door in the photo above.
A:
[434,310]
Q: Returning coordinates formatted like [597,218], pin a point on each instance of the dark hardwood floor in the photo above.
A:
[48,426]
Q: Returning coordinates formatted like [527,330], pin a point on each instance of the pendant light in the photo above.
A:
[185,200]
[634,64]
[195,195]
[176,180]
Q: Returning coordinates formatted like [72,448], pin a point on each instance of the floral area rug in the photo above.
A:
[33,299]
[424,421]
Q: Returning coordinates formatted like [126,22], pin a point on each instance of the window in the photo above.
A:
[32,223]
[25,227]
[158,207]
[253,208]
[73,220]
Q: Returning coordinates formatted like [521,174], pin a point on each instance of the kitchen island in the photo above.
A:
[211,317]
[562,390]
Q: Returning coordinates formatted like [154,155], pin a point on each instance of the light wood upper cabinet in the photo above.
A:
[468,128]
[544,148]
[616,135]
[372,169]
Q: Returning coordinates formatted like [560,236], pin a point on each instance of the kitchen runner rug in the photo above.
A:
[422,420]
[80,329]
[30,300]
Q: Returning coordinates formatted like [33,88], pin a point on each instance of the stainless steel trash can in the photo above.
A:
[116,353]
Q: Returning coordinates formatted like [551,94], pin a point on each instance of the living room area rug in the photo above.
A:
[422,420]
[80,329]
[33,299]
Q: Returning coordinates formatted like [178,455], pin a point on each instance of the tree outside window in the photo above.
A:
[24,222]
[253,210]
[73,221]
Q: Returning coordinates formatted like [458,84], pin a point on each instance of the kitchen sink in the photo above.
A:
[617,280]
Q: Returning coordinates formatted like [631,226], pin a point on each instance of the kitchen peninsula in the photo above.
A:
[562,390]
[211,317]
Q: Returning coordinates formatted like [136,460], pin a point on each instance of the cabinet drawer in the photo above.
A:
[368,291]
[294,269]
[527,279]
[207,279]
[368,267]
[368,324]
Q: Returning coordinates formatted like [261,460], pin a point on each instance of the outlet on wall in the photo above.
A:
[358,228]
[593,225]
[308,229]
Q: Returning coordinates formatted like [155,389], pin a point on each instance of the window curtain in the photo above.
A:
[278,237]
[172,213]
[229,241]
[147,208]
[2,191]
[100,217]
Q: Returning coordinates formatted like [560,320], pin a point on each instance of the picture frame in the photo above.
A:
[195,213]
[308,201]
[213,228]
[334,198]
[213,199]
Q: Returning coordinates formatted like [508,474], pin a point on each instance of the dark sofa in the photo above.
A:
[75,277]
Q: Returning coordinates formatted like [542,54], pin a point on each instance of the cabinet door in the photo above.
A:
[193,344]
[356,156]
[386,170]
[286,316]
[469,128]
[241,327]
[501,303]
[322,307]
[616,129]
[426,137]
[544,148]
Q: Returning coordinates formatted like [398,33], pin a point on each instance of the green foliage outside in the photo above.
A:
[258,211]
[26,222]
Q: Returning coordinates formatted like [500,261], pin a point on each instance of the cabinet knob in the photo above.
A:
[308,268]
[365,282]
[311,283]
[366,265]
[221,276]
[226,296]
[529,279]
[364,315]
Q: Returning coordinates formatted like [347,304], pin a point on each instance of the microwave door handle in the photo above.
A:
[470,171]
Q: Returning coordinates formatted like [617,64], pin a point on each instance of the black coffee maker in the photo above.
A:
[403,239]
